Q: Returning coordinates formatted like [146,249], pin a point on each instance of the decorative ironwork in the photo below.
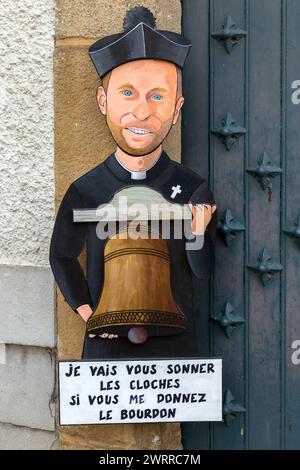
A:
[136,317]
[136,251]
[229,35]
[294,232]
[231,409]
[264,172]
[229,227]
[228,319]
[265,268]
[230,132]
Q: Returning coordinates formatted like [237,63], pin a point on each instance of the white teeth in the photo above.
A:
[138,131]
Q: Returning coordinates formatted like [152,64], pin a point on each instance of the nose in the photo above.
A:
[141,111]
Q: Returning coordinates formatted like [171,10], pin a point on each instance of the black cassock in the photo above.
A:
[96,187]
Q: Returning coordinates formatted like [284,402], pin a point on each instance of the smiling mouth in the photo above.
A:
[137,131]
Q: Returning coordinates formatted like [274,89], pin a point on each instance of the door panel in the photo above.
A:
[248,83]
[263,226]
[290,215]
[196,127]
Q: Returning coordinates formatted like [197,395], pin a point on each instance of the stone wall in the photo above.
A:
[27,303]
[82,141]
[26,131]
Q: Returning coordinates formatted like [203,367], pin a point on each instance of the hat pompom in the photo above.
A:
[136,15]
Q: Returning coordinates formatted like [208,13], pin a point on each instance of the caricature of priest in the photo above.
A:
[141,98]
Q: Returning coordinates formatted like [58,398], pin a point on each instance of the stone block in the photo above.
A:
[152,436]
[27,388]
[21,438]
[97,18]
[27,306]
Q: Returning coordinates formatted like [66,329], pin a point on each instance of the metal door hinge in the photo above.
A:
[231,409]
[230,132]
[229,35]
[264,172]
[265,268]
[228,319]
[294,232]
[229,227]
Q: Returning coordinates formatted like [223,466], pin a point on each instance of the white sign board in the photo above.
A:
[131,391]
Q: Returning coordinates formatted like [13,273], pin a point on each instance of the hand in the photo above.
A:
[86,312]
[202,214]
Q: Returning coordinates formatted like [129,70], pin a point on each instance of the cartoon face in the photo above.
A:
[141,104]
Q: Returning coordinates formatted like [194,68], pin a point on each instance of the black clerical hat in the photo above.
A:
[139,40]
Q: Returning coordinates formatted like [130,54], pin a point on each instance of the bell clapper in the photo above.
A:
[138,335]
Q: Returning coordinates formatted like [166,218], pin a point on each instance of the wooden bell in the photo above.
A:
[136,299]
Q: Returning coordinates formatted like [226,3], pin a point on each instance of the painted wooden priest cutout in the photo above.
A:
[137,295]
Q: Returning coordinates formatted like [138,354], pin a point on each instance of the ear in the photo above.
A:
[178,106]
[102,99]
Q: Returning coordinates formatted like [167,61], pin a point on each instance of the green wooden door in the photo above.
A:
[241,131]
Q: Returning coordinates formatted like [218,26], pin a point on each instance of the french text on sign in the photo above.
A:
[132,391]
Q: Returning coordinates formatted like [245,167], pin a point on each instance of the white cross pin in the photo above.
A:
[176,190]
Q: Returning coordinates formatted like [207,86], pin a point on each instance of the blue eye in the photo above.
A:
[127,93]
[157,97]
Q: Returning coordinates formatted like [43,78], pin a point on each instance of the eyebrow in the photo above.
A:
[162,90]
[125,85]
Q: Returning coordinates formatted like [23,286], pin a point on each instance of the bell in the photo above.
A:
[136,299]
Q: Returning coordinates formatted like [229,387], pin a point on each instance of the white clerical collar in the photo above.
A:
[137,175]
